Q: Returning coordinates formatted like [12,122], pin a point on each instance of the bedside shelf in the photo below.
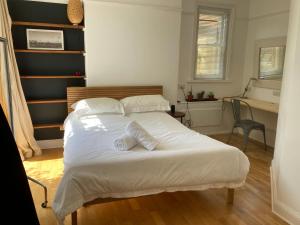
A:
[48,125]
[48,51]
[53,25]
[51,77]
[47,101]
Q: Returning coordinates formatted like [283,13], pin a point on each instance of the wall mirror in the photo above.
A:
[269,62]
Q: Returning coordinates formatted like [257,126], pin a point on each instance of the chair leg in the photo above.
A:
[44,204]
[264,133]
[229,138]
[245,139]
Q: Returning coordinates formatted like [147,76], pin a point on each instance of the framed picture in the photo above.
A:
[45,39]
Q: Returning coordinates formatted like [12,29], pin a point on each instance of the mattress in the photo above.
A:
[184,160]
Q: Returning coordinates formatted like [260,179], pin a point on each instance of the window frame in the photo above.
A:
[212,9]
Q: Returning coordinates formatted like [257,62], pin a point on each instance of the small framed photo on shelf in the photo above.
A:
[41,39]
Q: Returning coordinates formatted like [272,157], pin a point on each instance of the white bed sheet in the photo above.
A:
[184,160]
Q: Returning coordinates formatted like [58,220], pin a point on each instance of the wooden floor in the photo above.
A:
[252,202]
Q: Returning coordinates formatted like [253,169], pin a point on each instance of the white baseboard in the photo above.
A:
[47,144]
[279,208]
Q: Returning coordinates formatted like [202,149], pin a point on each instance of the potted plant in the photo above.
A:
[211,95]
[190,96]
[200,95]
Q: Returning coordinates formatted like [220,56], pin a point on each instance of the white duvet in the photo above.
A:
[184,160]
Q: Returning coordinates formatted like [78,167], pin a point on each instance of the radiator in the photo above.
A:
[203,114]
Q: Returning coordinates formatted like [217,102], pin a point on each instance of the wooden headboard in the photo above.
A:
[75,94]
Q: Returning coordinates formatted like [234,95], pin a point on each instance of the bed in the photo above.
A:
[183,161]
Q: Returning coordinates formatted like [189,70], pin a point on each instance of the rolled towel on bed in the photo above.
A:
[141,135]
[124,143]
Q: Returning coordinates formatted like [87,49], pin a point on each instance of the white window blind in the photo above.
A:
[211,43]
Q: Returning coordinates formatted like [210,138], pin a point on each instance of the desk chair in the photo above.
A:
[247,125]
[16,193]
[44,204]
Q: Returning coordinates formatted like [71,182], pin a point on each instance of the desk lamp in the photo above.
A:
[247,87]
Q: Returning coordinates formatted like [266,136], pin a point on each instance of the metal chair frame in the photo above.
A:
[236,104]
[9,97]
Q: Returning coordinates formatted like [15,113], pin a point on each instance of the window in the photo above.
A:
[212,35]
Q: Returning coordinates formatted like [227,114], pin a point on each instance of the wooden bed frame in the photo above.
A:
[75,94]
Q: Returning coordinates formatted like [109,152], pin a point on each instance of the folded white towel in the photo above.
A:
[124,143]
[141,135]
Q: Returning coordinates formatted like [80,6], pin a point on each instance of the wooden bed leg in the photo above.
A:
[230,195]
[74,218]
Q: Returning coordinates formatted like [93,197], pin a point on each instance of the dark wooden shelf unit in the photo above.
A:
[45,74]
[51,77]
[47,101]
[48,51]
[52,25]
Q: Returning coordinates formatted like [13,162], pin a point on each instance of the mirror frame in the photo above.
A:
[265,43]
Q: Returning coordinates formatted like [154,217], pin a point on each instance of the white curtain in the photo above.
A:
[21,118]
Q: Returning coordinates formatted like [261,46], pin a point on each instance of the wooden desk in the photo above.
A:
[258,104]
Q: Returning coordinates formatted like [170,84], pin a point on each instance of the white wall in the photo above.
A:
[149,42]
[188,45]
[133,43]
[187,56]
[267,19]
[286,166]
[254,20]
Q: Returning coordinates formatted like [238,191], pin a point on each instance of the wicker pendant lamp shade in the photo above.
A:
[75,11]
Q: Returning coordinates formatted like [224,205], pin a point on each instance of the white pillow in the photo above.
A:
[145,103]
[141,135]
[98,106]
